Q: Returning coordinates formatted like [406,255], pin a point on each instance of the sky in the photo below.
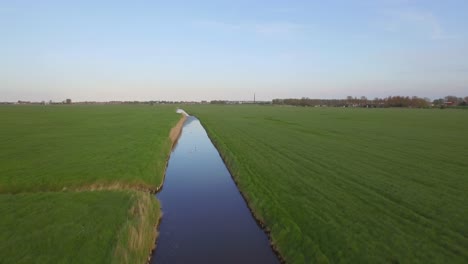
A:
[207,50]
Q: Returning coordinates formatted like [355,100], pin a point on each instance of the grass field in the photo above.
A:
[350,185]
[56,147]
[76,227]
[50,159]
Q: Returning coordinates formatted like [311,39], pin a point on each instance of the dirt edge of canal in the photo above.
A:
[174,136]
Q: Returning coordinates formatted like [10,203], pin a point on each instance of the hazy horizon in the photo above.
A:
[229,50]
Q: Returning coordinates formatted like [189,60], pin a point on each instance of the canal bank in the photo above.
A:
[205,218]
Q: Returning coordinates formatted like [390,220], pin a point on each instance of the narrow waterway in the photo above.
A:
[205,219]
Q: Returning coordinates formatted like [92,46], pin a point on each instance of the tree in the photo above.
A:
[438,102]
[451,98]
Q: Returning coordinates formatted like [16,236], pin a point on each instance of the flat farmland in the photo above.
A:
[77,227]
[350,185]
[75,181]
[50,148]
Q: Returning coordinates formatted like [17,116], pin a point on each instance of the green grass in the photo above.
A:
[60,147]
[51,156]
[351,185]
[76,227]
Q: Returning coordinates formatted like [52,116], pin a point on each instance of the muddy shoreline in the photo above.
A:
[156,234]
[174,136]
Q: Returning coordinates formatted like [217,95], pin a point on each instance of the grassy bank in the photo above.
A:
[77,227]
[50,159]
[350,185]
[46,148]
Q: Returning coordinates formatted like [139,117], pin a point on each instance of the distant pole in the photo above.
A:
[254,98]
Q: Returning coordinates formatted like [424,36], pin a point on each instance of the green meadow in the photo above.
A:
[350,185]
[77,227]
[50,148]
[75,181]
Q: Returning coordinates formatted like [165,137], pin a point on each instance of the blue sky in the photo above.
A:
[196,50]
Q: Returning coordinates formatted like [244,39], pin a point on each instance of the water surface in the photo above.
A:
[205,219]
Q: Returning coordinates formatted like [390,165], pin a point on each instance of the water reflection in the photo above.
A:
[205,219]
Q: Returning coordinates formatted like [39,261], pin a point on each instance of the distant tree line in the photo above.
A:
[391,101]
[451,100]
[218,102]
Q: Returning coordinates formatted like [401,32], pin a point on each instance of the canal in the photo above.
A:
[205,219]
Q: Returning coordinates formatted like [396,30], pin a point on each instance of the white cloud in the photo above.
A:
[426,22]
[273,28]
